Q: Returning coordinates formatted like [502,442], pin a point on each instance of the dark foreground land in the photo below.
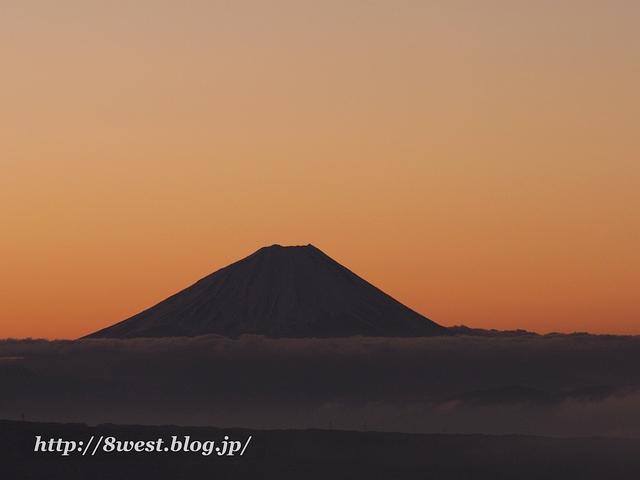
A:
[296,454]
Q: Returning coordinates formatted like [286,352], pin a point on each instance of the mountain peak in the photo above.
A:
[278,291]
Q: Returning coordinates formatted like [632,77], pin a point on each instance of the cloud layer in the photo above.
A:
[392,384]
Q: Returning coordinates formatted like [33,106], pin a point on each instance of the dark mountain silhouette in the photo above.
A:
[481,332]
[279,292]
[315,454]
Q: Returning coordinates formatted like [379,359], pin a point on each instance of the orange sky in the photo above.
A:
[479,161]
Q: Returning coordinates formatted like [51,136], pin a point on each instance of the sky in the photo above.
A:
[478,161]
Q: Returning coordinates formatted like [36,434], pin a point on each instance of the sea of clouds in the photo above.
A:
[392,384]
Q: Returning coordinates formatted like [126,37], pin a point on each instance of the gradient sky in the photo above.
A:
[479,161]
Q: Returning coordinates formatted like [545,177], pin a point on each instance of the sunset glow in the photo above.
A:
[478,161]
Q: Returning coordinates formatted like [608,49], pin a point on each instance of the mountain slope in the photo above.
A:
[290,292]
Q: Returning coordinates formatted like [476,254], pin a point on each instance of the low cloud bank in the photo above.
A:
[390,383]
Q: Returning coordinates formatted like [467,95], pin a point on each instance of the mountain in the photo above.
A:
[279,292]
